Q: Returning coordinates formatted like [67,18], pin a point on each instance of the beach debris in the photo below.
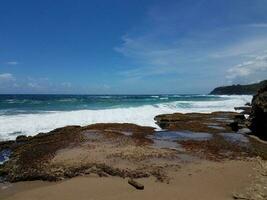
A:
[135,184]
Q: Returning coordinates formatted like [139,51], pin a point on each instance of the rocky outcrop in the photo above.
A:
[100,148]
[74,150]
[218,124]
[239,89]
[258,116]
[215,122]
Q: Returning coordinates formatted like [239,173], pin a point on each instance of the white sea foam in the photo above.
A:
[31,124]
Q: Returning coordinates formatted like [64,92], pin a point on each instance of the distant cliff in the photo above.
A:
[239,89]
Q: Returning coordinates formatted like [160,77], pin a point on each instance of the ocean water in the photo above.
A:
[32,114]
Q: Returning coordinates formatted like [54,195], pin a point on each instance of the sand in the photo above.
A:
[203,180]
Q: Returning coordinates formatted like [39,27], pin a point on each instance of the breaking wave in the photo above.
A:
[33,123]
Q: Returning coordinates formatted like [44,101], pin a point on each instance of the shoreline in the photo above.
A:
[118,152]
[30,124]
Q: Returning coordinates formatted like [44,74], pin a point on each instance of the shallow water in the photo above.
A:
[166,144]
[169,139]
[235,137]
[222,119]
[216,127]
[244,131]
[4,155]
[92,135]
[180,136]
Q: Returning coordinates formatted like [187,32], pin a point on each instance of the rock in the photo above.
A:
[196,122]
[135,184]
[234,126]
[31,157]
[240,116]
[240,119]
[258,116]
[21,138]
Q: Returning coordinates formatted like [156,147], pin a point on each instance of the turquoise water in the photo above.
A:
[32,114]
[15,104]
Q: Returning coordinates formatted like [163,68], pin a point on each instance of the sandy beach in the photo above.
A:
[203,180]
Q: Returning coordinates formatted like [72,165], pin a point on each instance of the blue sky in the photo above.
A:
[130,46]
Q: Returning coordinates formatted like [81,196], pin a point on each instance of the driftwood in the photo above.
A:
[135,184]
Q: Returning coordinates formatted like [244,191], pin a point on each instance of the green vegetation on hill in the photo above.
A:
[239,89]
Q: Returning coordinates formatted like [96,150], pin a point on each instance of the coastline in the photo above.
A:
[107,155]
[133,100]
[35,114]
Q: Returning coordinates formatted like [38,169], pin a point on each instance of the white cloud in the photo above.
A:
[149,51]
[33,85]
[12,63]
[6,77]
[244,48]
[151,56]
[154,57]
[258,25]
[105,86]
[251,69]
[66,84]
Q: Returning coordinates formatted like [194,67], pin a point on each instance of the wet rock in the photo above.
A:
[36,158]
[120,128]
[240,117]
[31,156]
[196,122]
[258,116]
[28,160]
[234,126]
[221,146]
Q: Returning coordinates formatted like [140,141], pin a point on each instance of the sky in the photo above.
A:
[130,46]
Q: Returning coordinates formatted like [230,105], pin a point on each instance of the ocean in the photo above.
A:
[32,114]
